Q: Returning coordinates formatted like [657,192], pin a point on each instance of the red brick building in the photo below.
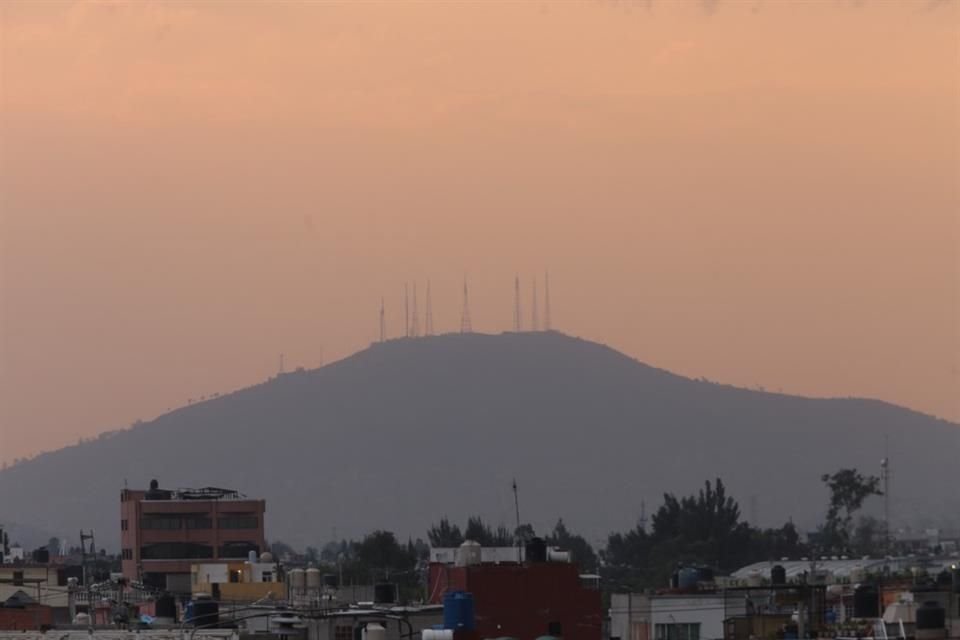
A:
[163,532]
[21,612]
[524,601]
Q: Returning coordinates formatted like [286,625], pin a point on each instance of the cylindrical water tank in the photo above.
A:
[252,556]
[205,612]
[866,601]
[556,555]
[458,611]
[687,578]
[931,616]
[313,578]
[384,593]
[470,554]
[166,608]
[436,634]
[297,578]
[778,575]
[536,550]
[374,631]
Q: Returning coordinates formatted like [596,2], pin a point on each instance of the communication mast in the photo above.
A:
[428,328]
[406,310]
[534,315]
[546,301]
[383,322]
[415,322]
[465,325]
[516,304]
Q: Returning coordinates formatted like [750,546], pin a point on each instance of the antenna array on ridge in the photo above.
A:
[546,301]
[383,322]
[428,325]
[465,325]
[415,322]
[516,304]
[534,315]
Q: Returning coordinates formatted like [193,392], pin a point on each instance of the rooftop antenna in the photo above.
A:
[406,309]
[281,364]
[516,505]
[428,324]
[415,322]
[383,322]
[465,325]
[516,304]
[546,301]
[534,315]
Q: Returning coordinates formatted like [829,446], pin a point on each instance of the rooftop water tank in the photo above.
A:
[252,556]
[266,556]
[778,575]
[931,616]
[687,578]
[436,634]
[205,612]
[866,601]
[297,578]
[313,579]
[374,631]
[536,550]
[384,593]
[458,611]
[557,555]
[470,554]
[165,608]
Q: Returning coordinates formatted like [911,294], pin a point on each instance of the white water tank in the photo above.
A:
[314,579]
[252,556]
[755,579]
[556,555]
[471,553]
[297,578]
[374,631]
[436,634]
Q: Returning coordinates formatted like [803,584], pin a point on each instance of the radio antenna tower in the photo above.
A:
[885,476]
[516,304]
[406,310]
[383,322]
[280,370]
[465,324]
[546,301]
[415,322]
[534,315]
[516,505]
[428,324]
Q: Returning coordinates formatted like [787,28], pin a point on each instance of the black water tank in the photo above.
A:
[866,602]
[704,574]
[384,593]
[331,580]
[206,612]
[166,607]
[536,550]
[931,616]
[41,556]
[778,575]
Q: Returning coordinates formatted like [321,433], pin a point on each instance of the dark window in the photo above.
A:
[198,522]
[175,551]
[238,522]
[18,578]
[123,525]
[342,633]
[61,578]
[127,554]
[238,549]
[163,522]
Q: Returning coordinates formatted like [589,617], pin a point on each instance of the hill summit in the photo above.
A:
[407,431]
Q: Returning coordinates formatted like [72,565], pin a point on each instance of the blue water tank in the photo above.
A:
[458,611]
[687,578]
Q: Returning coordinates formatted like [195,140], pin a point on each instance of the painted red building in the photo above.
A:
[524,601]
[20,612]
[164,532]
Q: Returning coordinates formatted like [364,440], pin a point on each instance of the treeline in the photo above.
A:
[705,529]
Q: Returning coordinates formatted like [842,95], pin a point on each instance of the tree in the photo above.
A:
[445,534]
[848,491]
[312,555]
[53,546]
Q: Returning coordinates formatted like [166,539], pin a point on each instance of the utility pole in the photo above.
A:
[516,504]
[534,315]
[428,323]
[406,310]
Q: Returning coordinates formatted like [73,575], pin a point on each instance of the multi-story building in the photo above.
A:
[163,532]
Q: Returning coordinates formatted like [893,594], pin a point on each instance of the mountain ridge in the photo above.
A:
[409,430]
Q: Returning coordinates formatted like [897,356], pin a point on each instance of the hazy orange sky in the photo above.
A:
[762,193]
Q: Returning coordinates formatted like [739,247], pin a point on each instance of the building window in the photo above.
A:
[236,576]
[18,578]
[175,551]
[266,576]
[161,522]
[198,522]
[677,631]
[61,578]
[238,522]
[238,549]
[127,554]
[342,633]
[123,525]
